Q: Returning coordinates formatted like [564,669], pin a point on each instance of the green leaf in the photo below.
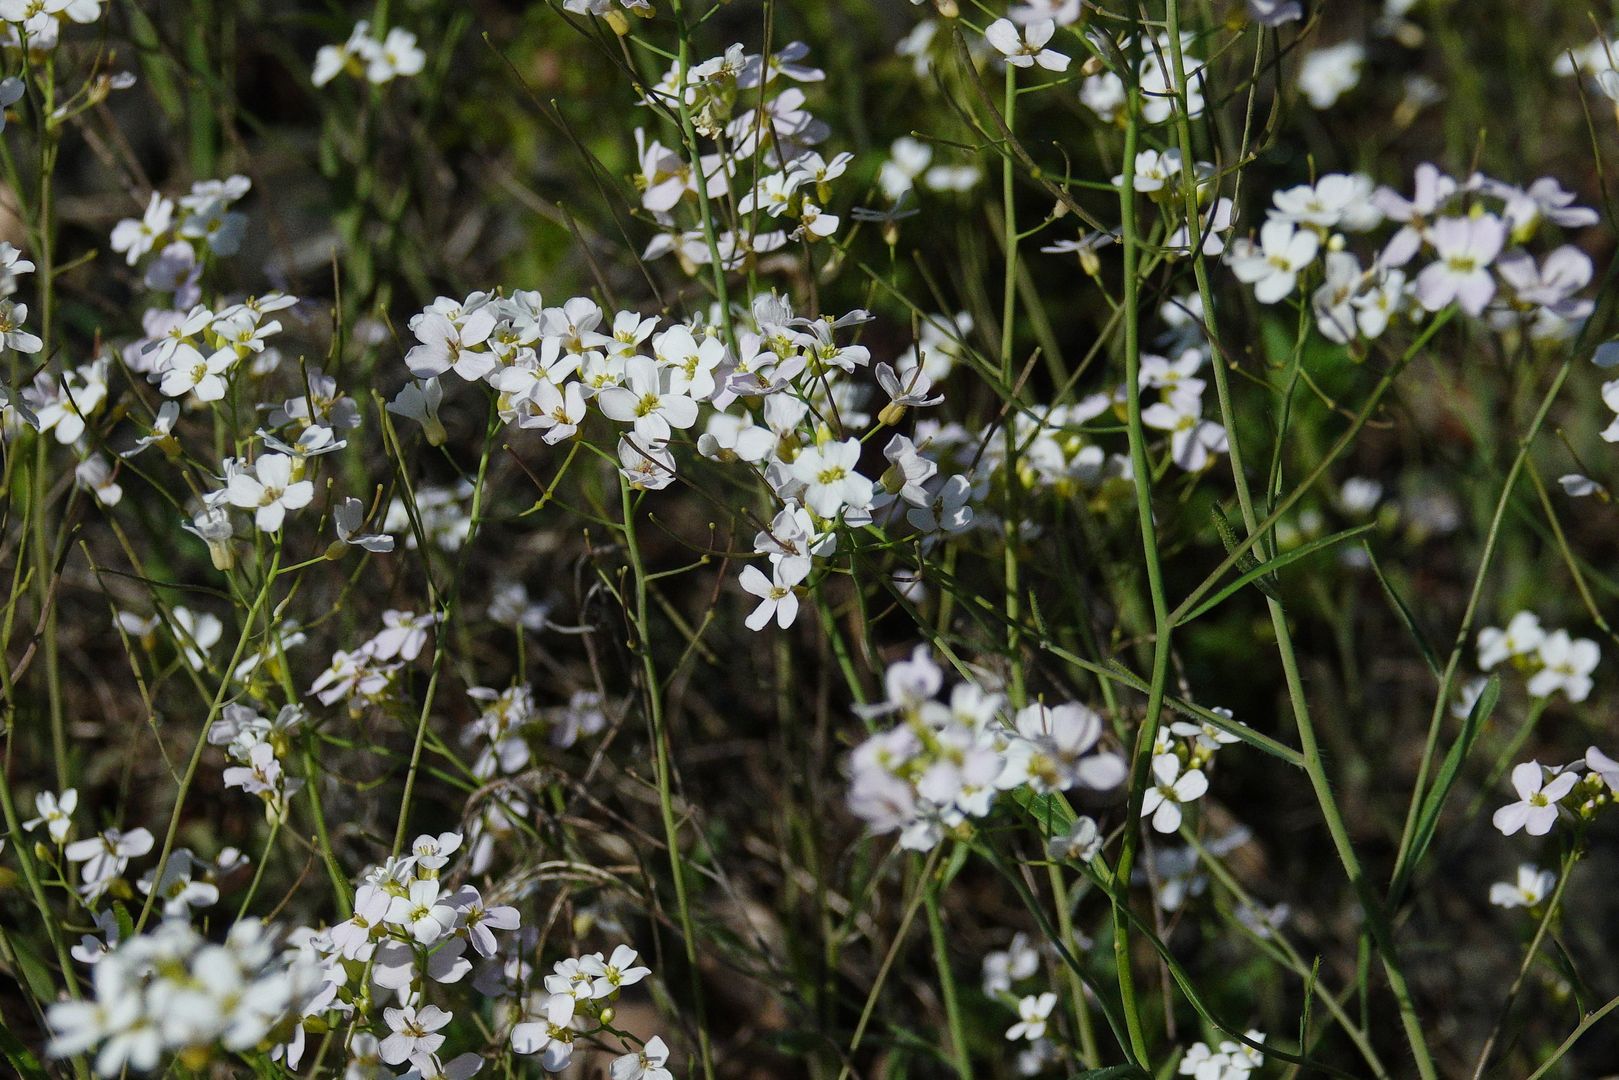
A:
[1434,804]
[1403,612]
[1266,569]
[1049,809]
[20,1057]
[1114,1072]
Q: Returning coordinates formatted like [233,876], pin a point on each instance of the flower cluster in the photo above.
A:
[1232,1061]
[365,56]
[944,764]
[1474,235]
[1546,793]
[172,992]
[257,746]
[550,366]
[1555,662]
[409,931]
[363,675]
[37,24]
[742,102]
[1105,93]
[577,1002]
[184,236]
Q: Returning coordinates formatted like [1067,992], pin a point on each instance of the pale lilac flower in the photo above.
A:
[1465,248]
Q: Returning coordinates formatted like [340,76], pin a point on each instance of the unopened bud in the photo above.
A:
[222,553]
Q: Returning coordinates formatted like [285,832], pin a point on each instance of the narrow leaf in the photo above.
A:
[1266,569]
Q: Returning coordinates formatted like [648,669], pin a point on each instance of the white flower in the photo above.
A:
[1327,74]
[1082,841]
[331,60]
[1272,266]
[1002,969]
[1522,636]
[1171,787]
[550,1036]
[1027,48]
[191,371]
[106,855]
[1568,666]
[648,466]
[397,55]
[1032,1015]
[196,634]
[403,634]
[419,401]
[645,1064]
[137,237]
[1535,812]
[423,912]
[445,344]
[1153,171]
[644,401]
[555,410]
[413,1033]
[269,491]
[908,390]
[1192,439]
[95,473]
[349,518]
[1533,886]
[12,264]
[608,976]
[1603,766]
[55,813]
[1336,200]
[829,477]
[1465,247]
[12,335]
[12,90]
[178,888]
[776,596]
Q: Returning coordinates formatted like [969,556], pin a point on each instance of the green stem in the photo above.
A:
[265,588]
[1371,904]
[947,979]
[660,740]
[1464,631]
[705,209]
[1141,468]
[1533,951]
[1009,469]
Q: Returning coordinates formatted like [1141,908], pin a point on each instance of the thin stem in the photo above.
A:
[1371,904]
[1009,470]
[1533,951]
[653,689]
[947,979]
[265,588]
[1141,469]
[1464,631]
[705,209]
